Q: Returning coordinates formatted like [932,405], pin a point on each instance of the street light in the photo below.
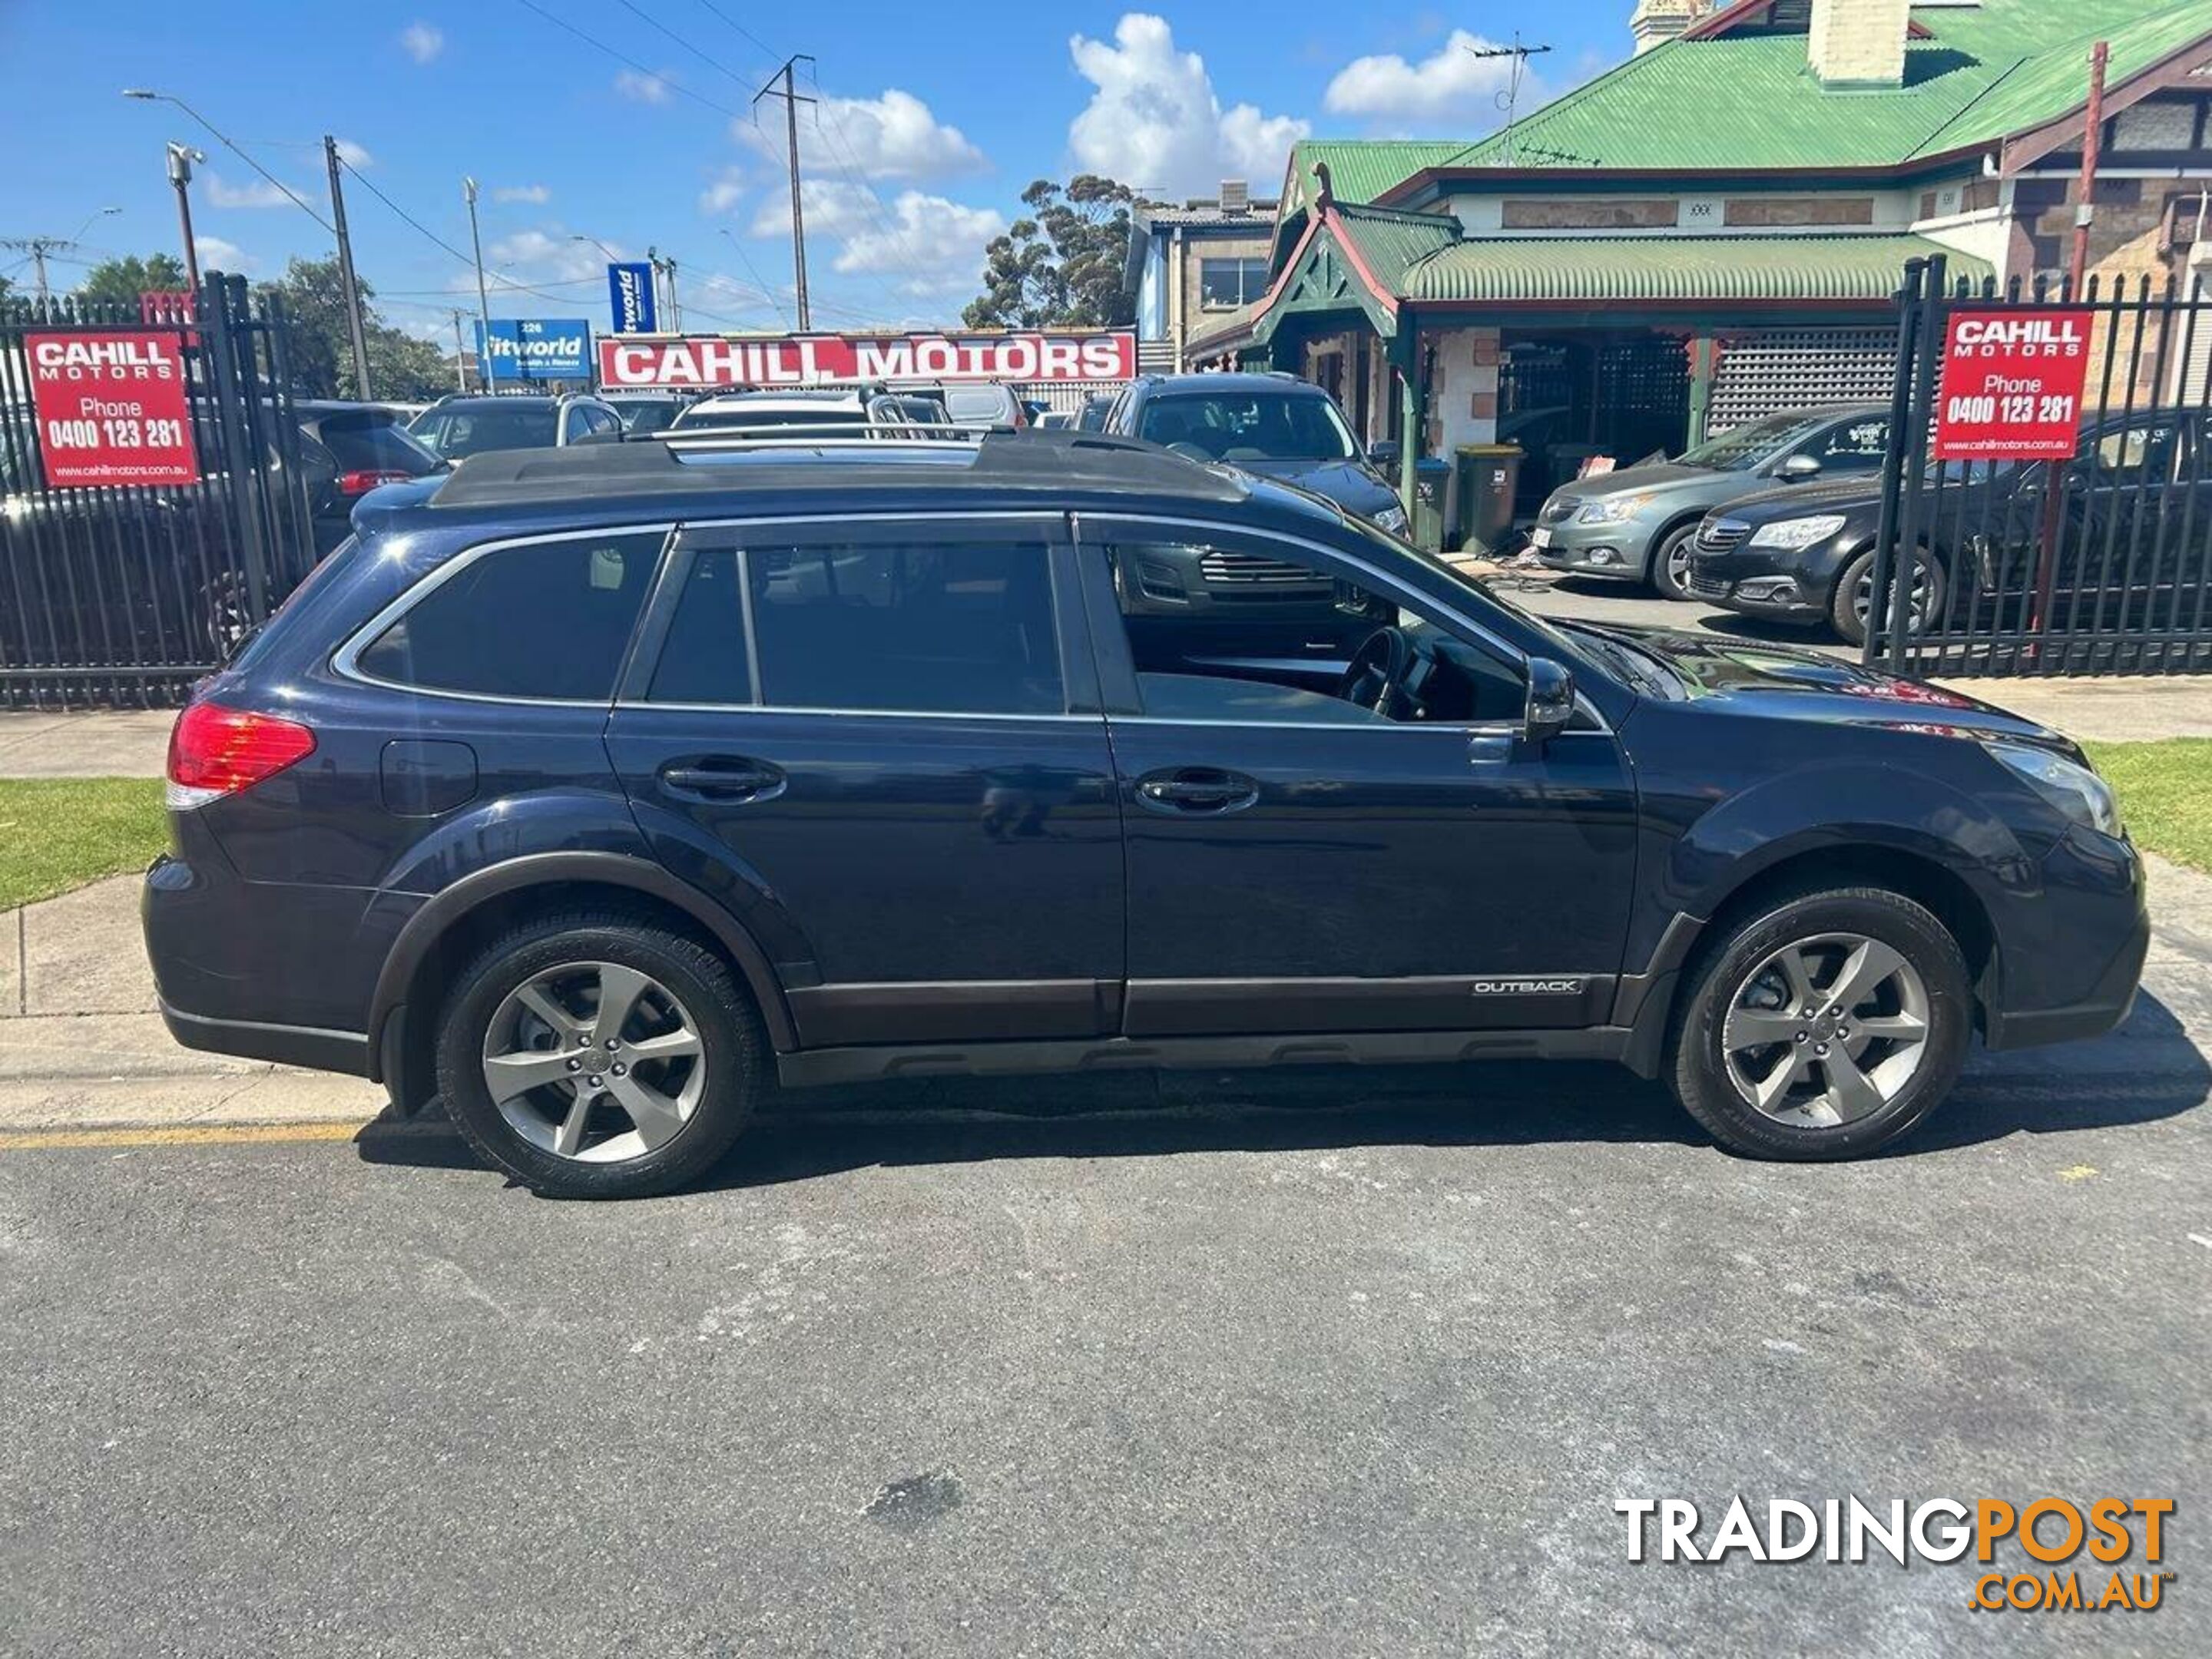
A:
[147,95]
[181,157]
[613,257]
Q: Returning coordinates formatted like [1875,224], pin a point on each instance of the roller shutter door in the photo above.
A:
[1800,368]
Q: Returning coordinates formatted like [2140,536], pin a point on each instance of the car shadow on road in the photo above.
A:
[2148,1070]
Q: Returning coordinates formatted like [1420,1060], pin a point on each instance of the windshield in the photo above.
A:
[647,414]
[470,431]
[1249,426]
[1746,446]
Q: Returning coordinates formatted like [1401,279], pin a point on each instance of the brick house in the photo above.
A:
[1191,267]
[1714,229]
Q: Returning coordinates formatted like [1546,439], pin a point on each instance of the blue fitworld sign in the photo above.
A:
[629,288]
[537,348]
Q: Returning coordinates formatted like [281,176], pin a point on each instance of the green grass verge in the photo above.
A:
[2166,794]
[60,833]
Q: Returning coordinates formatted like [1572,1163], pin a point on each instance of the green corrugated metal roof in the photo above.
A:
[1749,103]
[1361,169]
[1601,269]
[1390,242]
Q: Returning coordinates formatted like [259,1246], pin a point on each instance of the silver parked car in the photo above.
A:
[1636,525]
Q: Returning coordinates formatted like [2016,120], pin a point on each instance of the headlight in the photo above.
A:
[1797,532]
[2076,791]
[1392,519]
[1611,510]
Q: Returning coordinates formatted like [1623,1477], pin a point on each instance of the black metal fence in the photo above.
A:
[126,593]
[2101,563]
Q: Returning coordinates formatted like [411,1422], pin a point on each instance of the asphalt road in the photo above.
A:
[1305,1364]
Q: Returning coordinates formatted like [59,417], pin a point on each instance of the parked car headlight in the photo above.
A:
[1797,532]
[1392,519]
[1611,510]
[2076,791]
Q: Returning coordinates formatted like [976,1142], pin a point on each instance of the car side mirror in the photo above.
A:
[1550,703]
[1382,452]
[1798,468]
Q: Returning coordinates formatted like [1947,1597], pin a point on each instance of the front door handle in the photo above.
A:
[1199,790]
[728,780]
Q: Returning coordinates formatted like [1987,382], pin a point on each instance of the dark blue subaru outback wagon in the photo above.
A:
[600,791]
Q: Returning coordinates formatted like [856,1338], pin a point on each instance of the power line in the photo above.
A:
[719,67]
[624,57]
[740,29]
[433,236]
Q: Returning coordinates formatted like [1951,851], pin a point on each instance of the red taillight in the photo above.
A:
[214,751]
[360,484]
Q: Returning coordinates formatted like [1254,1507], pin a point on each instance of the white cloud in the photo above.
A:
[1155,122]
[1451,92]
[216,254]
[254,193]
[641,88]
[925,244]
[539,256]
[421,41]
[893,137]
[354,155]
[537,195]
[725,193]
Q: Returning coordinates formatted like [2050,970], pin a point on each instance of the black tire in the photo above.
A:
[1842,604]
[1674,545]
[734,1047]
[1697,1069]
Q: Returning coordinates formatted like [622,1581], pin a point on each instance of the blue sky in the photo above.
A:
[932,119]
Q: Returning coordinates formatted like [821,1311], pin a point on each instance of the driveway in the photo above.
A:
[1330,1362]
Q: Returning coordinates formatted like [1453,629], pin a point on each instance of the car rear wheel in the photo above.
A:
[1854,597]
[595,1055]
[1822,1026]
[1670,564]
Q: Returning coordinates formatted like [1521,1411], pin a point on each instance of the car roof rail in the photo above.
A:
[709,435]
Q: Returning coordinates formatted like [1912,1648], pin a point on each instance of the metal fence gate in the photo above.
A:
[126,593]
[2101,563]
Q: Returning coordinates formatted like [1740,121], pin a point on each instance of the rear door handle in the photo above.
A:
[716,778]
[1199,790]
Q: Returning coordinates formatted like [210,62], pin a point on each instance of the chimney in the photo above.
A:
[1858,43]
[1235,196]
[1656,21]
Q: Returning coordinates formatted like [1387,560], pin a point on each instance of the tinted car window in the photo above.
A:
[1854,446]
[1741,448]
[704,659]
[1249,426]
[540,619]
[369,442]
[470,431]
[647,414]
[938,626]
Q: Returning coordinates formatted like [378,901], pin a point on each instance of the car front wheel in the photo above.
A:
[596,1055]
[1670,564]
[1854,598]
[1822,1026]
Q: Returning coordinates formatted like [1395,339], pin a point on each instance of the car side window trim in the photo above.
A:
[345,662]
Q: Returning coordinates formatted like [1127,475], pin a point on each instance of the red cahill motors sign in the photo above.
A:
[111,409]
[2012,382]
[712,360]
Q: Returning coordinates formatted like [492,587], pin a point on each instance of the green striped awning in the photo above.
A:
[1673,269]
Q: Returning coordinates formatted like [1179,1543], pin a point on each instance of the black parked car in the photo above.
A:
[349,449]
[1806,554]
[1272,425]
[593,790]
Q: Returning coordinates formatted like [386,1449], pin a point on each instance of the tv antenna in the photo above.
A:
[1510,98]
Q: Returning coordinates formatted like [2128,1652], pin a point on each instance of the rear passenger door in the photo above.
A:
[880,742]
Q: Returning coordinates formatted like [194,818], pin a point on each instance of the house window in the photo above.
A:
[1225,284]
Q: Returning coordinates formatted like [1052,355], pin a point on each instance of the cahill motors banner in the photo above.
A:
[711,360]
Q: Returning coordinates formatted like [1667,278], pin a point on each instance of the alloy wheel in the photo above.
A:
[595,1062]
[1826,1030]
[1917,603]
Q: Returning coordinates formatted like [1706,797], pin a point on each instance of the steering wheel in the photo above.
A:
[1379,674]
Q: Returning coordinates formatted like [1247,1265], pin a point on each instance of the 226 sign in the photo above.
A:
[2011,386]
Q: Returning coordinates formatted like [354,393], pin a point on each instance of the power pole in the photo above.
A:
[460,353]
[675,308]
[2085,192]
[181,157]
[487,377]
[345,272]
[791,101]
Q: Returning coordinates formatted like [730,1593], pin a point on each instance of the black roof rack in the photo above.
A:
[1034,459]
